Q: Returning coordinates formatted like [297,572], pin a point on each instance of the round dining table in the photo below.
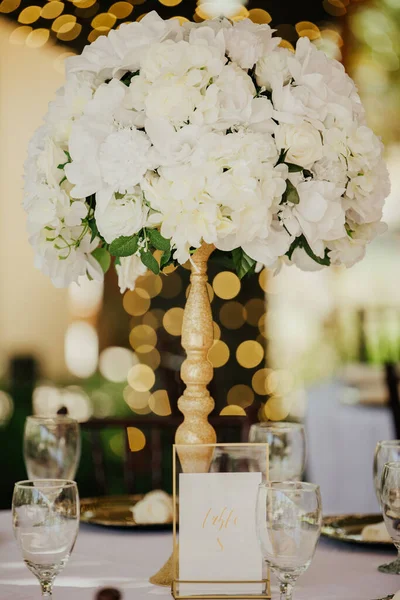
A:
[125,559]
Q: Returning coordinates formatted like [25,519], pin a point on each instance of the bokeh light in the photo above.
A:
[233,411]
[249,354]
[218,354]
[143,338]
[141,378]
[136,439]
[226,285]
[241,395]
[136,304]
[173,320]
[159,403]
[81,349]
[115,363]
[232,315]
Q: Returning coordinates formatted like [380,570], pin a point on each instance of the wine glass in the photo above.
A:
[239,459]
[385,451]
[288,520]
[287,448]
[45,522]
[390,502]
[52,447]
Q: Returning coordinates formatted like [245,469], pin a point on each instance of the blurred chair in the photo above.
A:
[160,434]
[392,383]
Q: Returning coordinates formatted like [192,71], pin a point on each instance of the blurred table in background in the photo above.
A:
[125,560]
[341,442]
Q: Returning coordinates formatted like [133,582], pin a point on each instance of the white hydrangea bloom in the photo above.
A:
[207,132]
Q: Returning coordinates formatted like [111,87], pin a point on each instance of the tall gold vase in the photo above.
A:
[196,372]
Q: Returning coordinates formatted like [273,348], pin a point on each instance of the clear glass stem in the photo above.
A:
[47,589]
[392,568]
[286,590]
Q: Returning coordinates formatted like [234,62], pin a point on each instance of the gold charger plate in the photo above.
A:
[115,511]
[348,528]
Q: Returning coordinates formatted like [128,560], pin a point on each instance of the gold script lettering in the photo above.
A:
[222,520]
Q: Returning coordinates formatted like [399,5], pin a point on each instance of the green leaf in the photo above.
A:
[243,263]
[294,168]
[157,240]
[290,194]
[301,242]
[103,258]
[150,262]
[282,157]
[165,259]
[124,246]
[117,261]
[93,228]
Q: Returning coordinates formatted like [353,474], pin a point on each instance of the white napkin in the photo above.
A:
[156,507]
[376,533]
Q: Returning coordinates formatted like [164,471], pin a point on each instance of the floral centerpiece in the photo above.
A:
[168,136]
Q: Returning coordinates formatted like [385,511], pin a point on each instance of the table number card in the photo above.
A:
[217,532]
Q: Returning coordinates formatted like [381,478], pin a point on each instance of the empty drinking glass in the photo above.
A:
[390,502]
[52,447]
[287,448]
[386,451]
[288,519]
[45,521]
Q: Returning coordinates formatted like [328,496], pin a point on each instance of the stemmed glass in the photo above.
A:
[45,521]
[52,447]
[385,451]
[288,520]
[287,448]
[390,502]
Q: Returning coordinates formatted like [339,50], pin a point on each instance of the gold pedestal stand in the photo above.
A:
[196,372]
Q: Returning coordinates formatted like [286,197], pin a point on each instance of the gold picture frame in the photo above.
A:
[265,582]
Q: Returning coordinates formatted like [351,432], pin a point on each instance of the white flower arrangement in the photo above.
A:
[166,136]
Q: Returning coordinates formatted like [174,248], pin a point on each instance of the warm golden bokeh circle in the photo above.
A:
[64,23]
[218,354]
[226,285]
[232,315]
[8,6]
[276,408]
[52,10]
[141,378]
[259,15]
[150,285]
[154,318]
[255,309]
[20,34]
[134,399]
[233,411]
[249,354]
[159,403]
[143,338]
[37,38]
[121,10]
[241,395]
[216,331]
[259,381]
[172,321]
[29,15]
[170,2]
[280,382]
[136,439]
[152,359]
[103,21]
[136,304]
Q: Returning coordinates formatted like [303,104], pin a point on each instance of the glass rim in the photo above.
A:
[282,425]
[389,443]
[282,486]
[392,464]
[56,419]
[45,483]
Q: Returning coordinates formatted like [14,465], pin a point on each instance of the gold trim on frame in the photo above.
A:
[175,581]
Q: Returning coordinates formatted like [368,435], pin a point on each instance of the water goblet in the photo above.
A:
[45,521]
[385,451]
[288,521]
[52,447]
[287,448]
[390,503]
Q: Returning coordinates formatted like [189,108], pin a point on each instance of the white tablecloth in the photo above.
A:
[125,559]
[341,443]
